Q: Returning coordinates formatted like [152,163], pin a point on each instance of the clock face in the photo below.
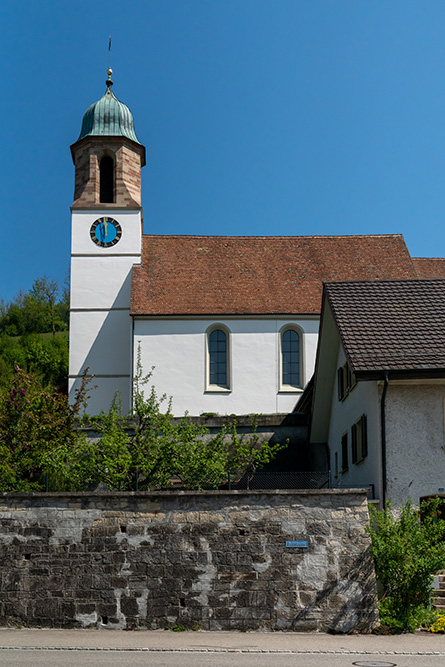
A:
[105,232]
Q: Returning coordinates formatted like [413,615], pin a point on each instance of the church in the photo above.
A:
[228,324]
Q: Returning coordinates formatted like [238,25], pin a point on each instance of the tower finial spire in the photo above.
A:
[109,81]
[109,70]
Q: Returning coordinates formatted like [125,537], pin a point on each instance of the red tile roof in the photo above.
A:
[266,275]
[394,325]
[429,267]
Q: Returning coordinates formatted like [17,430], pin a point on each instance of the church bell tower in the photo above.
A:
[105,244]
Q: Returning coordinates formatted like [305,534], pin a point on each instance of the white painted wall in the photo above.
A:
[100,323]
[415,440]
[363,399]
[130,221]
[177,349]
[101,282]
[103,390]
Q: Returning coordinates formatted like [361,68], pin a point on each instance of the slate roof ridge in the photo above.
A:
[272,236]
[382,281]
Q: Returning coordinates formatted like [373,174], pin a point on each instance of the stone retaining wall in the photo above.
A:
[209,560]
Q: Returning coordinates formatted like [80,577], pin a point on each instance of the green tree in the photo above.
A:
[46,357]
[36,427]
[41,310]
[152,449]
[408,546]
[25,326]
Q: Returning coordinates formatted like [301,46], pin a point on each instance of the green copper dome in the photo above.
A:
[108,117]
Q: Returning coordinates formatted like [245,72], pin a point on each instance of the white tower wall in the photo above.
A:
[100,324]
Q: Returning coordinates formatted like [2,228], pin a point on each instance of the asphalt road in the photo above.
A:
[86,658]
[159,648]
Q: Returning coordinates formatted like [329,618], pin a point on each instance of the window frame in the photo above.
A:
[359,440]
[217,388]
[290,388]
[345,381]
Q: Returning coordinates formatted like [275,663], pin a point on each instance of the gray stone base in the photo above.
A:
[208,560]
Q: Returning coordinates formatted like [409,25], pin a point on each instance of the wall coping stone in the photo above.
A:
[242,421]
[169,494]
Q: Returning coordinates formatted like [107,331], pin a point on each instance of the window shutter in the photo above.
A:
[364,436]
[344,452]
[348,377]
[340,384]
[354,443]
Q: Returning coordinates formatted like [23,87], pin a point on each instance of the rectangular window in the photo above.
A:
[217,359]
[340,384]
[344,452]
[345,381]
[359,436]
[290,358]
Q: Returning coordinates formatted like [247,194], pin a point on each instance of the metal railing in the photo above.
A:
[262,479]
[246,481]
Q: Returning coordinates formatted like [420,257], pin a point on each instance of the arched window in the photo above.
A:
[106,169]
[290,358]
[218,367]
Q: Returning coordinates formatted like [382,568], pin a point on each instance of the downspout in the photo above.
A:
[383,435]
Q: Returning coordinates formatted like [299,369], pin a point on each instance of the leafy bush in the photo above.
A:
[435,622]
[152,449]
[39,438]
[35,425]
[46,357]
[407,547]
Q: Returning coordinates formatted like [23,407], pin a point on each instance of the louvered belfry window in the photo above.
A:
[106,180]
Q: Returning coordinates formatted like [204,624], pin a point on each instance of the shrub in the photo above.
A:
[408,547]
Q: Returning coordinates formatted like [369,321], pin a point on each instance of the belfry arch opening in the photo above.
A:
[106,168]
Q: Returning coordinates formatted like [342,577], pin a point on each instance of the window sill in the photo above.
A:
[359,461]
[215,389]
[288,389]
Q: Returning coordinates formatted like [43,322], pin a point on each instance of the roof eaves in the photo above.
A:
[401,374]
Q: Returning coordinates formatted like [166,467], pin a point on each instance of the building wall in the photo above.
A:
[212,560]
[415,440]
[100,323]
[363,399]
[177,350]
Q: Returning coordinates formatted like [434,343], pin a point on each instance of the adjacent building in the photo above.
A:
[378,394]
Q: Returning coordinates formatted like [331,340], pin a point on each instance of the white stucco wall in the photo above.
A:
[102,283]
[363,399]
[177,349]
[415,440]
[100,323]
[129,220]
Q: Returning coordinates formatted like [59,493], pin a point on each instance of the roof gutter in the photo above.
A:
[383,434]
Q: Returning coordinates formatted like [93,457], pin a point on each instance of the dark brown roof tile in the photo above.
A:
[391,325]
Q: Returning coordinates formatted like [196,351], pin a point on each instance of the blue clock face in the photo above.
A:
[105,232]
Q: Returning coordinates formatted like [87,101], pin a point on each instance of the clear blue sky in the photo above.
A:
[260,117]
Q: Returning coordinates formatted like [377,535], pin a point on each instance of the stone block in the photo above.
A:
[207,541]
